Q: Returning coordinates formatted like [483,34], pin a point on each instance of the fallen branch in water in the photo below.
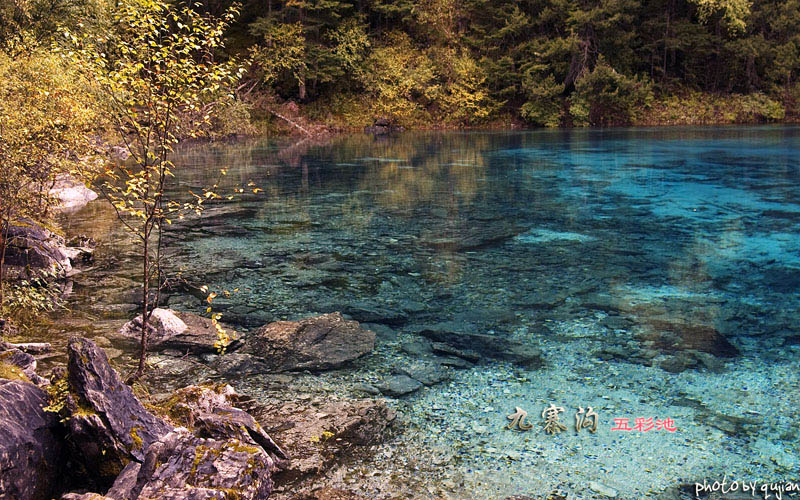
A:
[291,122]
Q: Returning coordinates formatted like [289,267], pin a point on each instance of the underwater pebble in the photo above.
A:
[602,489]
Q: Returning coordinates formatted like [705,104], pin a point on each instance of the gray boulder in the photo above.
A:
[108,425]
[219,451]
[32,246]
[71,194]
[23,364]
[181,466]
[30,451]
[209,411]
[320,343]
[178,330]
[321,433]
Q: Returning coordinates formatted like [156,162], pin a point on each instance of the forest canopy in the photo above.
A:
[471,62]
[550,62]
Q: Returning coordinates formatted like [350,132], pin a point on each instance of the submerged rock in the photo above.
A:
[239,364]
[426,372]
[326,493]
[417,346]
[677,335]
[30,450]
[449,350]
[602,489]
[367,312]
[473,238]
[318,343]
[398,385]
[472,345]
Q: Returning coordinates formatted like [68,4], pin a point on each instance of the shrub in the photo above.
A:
[545,104]
[466,98]
[605,97]
[46,120]
[759,107]
[402,80]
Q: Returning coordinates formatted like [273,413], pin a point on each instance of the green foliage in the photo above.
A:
[281,51]
[697,108]
[459,62]
[46,119]
[158,70]
[350,44]
[759,107]
[24,300]
[605,97]
[466,98]
[26,25]
[529,56]
[545,102]
[734,12]
[402,80]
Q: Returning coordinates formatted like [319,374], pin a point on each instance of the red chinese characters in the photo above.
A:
[621,424]
[642,424]
[667,424]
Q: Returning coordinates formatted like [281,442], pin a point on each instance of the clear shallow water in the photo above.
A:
[658,270]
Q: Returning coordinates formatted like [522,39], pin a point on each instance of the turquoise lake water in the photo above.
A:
[657,270]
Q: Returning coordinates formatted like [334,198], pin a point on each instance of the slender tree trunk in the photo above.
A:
[3,246]
[145,307]
[666,46]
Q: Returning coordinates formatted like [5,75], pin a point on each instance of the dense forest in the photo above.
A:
[475,62]
[550,62]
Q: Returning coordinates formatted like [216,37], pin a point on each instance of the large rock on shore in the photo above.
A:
[30,450]
[210,412]
[319,433]
[108,425]
[218,452]
[71,194]
[320,343]
[34,247]
[181,466]
[162,325]
[177,330]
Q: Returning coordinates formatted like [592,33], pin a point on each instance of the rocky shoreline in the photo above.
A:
[87,426]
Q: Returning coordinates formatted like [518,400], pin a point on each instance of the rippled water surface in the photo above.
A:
[657,269]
